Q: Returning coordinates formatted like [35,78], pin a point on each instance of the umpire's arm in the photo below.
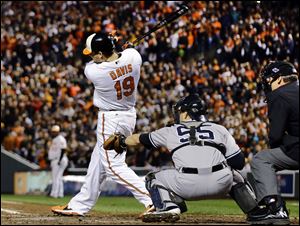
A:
[278,115]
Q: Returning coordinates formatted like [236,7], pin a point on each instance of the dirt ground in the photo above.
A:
[16,213]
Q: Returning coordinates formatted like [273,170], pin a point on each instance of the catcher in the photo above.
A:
[204,156]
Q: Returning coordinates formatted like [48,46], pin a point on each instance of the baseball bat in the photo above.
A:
[181,11]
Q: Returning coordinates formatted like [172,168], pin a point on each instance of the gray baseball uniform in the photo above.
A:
[199,171]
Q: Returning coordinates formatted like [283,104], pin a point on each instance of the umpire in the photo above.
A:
[280,83]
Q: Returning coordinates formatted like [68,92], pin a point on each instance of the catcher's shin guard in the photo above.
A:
[153,190]
[179,201]
[244,196]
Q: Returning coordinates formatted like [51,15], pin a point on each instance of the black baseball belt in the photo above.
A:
[212,169]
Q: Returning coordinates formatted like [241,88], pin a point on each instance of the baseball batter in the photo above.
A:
[204,154]
[115,77]
[59,162]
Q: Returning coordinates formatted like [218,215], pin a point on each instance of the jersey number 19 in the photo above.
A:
[126,87]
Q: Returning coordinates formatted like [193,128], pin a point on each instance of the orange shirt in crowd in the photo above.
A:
[250,74]
[9,142]
[74,41]
[74,90]
[229,44]
[219,104]
[88,105]
[42,161]
[190,39]
[217,27]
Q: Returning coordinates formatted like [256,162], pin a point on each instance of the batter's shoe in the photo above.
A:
[170,216]
[149,209]
[65,211]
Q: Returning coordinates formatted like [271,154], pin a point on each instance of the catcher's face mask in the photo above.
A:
[266,84]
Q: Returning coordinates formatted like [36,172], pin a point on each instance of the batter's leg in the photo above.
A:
[115,165]
[84,201]
[117,169]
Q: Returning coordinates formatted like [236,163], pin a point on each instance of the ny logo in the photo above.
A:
[283,214]
[275,69]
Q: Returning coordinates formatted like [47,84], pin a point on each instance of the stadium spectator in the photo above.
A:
[215,50]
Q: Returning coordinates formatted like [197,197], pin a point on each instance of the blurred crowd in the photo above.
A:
[216,50]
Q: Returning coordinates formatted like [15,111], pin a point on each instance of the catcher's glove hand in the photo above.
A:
[115,142]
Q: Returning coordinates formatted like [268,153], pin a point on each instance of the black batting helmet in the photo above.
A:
[99,42]
[274,70]
[193,105]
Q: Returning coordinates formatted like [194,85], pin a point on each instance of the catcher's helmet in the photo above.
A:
[99,42]
[193,105]
[274,70]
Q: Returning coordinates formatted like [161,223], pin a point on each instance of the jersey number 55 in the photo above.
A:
[183,132]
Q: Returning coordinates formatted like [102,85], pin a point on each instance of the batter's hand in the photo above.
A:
[115,35]
[115,142]
[128,45]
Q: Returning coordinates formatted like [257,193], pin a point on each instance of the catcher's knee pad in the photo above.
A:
[244,196]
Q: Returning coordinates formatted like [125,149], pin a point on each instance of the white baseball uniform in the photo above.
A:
[57,170]
[210,177]
[115,92]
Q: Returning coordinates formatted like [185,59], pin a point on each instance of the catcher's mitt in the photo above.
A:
[115,142]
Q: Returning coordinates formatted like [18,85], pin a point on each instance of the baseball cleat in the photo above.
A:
[169,216]
[279,217]
[65,211]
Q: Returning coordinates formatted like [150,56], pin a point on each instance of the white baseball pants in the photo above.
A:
[57,190]
[106,163]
